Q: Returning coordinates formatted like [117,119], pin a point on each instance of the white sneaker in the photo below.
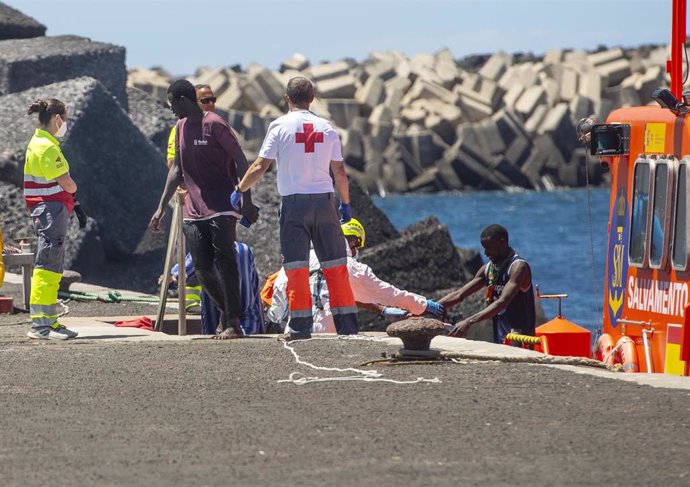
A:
[65,331]
[46,333]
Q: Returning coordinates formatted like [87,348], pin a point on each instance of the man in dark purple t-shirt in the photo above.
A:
[211,160]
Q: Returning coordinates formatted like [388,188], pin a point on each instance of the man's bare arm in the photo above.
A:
[171,184]
[341,182]
[458,296]
[254,173]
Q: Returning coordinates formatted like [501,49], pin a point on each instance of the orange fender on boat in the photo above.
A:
[603,349]
[626,354]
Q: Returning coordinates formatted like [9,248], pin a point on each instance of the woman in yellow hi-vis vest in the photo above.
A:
[49,194]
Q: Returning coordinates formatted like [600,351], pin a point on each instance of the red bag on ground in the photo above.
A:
[143,323]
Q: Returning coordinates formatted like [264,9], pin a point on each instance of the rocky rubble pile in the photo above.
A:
[431,122]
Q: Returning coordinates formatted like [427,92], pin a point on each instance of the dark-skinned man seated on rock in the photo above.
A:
[509,293]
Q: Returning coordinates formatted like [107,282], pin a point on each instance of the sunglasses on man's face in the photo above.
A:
[206,101]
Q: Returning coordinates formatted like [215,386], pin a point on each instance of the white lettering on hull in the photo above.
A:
[661,297]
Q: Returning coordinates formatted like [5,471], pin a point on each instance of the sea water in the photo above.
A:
[562,234]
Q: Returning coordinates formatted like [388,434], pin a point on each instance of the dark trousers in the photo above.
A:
[212,245]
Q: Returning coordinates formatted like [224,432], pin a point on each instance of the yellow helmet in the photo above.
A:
[354,229]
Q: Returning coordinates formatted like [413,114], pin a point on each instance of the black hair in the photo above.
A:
[46,109]
[494,231]
[182,88]
[300,90]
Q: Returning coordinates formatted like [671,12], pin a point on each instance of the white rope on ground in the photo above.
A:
[65,308]
[364,375]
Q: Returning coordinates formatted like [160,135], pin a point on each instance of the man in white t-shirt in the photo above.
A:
[305,147]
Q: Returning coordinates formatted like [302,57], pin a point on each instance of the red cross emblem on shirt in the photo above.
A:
[309,138]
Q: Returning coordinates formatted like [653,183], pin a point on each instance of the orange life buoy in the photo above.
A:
[626,354]
[603,350]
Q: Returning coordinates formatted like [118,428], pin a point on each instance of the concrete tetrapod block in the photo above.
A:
[422,147]
[511,96]
[297,62]
[447,173]
[529,100]
[380,134]
[370,94]
[393,172]
[490,136]
[254,126]
[518,151]
[552,90]
[428,181]
[271,85]
[496,66]
[23,62]
[422,259]
[428,90]
[606,56]
[413,114]
[16,25]
[326,71]
[120,173]
[471,167]
[535,120]
[344,86]
[559,125]
[254,96]
[623,96]
[553,56]
[473,109]
[150,116]
[569,82]
[383,69]
[615,71]
[230,98]
[650,80]
[150,82]
[396,88]
[440,127]
[353,149]
[343,111]
[509,125]
[474,137]
[451,113]
[446,68]
[534,166]
[508,173]
[580,107]
[590,85]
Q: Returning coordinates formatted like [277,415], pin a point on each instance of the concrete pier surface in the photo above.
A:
[121,406]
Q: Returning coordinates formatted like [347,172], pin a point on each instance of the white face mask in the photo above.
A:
[62,130]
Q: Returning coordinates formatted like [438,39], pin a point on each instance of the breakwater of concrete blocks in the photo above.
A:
[431,122]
